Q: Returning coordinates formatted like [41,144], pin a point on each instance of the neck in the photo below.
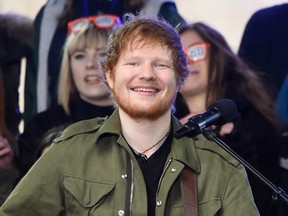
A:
[143,134]
[105,101]
[196,103]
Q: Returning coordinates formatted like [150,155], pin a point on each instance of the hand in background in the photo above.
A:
[224,129]
[6,154]
[185,118]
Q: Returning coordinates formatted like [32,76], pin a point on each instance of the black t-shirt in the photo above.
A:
[152,169]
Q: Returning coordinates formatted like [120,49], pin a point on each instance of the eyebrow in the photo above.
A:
[165,60]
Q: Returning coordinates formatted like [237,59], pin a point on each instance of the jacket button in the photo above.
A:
[124,176]
[121,213]
[159,203]
[173,170]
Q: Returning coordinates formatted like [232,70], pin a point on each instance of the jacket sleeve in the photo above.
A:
[40,191]
[238,195]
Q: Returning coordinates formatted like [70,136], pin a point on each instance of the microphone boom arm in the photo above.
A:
[278,192]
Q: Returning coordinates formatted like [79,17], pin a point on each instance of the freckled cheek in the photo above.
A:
[170,79]
[123,78]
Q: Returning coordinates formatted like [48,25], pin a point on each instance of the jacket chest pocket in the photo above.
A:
[86,197]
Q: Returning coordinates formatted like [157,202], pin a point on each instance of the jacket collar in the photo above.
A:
[182,150]
[112,125]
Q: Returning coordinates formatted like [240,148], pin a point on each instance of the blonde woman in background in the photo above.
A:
[82,93]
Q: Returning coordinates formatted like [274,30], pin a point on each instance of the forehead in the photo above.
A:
[140,42]
[147,48]
[190,37]
[98,41]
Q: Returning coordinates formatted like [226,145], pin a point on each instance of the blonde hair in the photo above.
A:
[88,37]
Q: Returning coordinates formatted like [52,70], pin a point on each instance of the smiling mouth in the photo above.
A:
[92,78]
[150,90]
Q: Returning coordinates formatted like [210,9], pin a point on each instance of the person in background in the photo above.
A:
[16,39]
[130,163]
[162,8]
[47,139]
[215,73]
[50,26]
[82,93]
[16,42]
[264,46]
[43,68]
[8,172]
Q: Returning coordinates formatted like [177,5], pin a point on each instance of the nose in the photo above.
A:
[147,72]
[92,63]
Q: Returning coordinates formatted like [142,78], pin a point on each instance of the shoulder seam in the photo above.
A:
[80,128]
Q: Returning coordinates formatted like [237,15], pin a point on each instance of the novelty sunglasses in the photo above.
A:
[197,52]
[100,21]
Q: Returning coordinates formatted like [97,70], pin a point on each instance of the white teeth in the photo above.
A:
[91,78]
[144,90]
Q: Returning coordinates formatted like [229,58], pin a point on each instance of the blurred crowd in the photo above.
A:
[64,83]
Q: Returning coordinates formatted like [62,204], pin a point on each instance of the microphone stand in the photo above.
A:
[278,192]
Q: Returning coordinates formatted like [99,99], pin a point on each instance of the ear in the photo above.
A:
[109,79]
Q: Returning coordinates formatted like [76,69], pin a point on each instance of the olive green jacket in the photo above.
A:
[90,170]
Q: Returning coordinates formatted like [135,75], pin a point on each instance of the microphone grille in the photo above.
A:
[227,109]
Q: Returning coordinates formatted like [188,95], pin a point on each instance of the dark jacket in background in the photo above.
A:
[264,44]
[16,41]
[264,47]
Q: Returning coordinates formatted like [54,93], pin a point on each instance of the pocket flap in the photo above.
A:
[87,192]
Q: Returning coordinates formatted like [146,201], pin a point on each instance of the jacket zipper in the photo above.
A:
[129,186]
[132,187]
[161,178]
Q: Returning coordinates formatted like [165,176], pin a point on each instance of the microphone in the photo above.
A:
[218,113]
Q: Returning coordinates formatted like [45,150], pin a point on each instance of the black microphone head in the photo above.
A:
[227,109]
